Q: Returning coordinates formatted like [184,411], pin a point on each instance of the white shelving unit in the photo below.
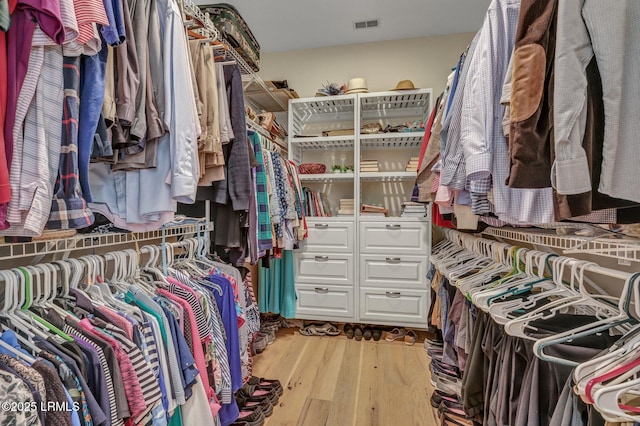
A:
[362,268]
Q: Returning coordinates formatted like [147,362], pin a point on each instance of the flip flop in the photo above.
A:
[395,334]
[311,330]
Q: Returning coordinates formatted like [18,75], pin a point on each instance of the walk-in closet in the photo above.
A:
[338,213]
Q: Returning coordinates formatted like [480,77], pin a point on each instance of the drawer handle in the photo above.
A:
[322,290]
[393,260]
[394,226]
[393,294]
[322,258]
[322,225]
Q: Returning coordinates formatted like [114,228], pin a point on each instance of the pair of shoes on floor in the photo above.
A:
[259,389]
[358,332]
[326,329]
[442,367]
[268,384]
[438,396]
[269,329]
[259,343]
[447,384]
[452,414]
[257,395]
[410,337]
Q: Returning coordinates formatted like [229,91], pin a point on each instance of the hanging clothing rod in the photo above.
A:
[454,236]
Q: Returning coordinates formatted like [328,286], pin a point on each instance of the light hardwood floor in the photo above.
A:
[335,381]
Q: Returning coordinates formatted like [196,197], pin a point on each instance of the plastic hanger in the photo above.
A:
[606,400]
[551,289]
[517,327]
[25,331]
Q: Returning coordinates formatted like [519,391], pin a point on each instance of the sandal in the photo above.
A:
[348,330]
[329,329]
[395,334]
[311,330]
[410,338]
[367,333]
[357,333]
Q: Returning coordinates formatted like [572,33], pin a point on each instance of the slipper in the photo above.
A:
[329,329]
[357,333]
[395,334]
[348,330]
[410,338]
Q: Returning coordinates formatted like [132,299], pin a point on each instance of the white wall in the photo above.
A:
[426,61]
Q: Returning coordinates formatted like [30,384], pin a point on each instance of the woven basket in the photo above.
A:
[312,168]
[55,235]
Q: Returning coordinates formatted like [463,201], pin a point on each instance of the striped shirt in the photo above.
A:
[150,306]
[135,397]
[37,133]
[148,381]
[113,410]
[187,294]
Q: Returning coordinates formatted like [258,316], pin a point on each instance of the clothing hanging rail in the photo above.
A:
[622,249]
[93,241]
[460,238]
[262,131]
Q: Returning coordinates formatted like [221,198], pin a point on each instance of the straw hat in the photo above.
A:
[357,85]
[404,85]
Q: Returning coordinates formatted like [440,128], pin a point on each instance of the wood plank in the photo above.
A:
[334,381]
[372,407]
[329,369]
[315,413]
[343,411]
[306,374]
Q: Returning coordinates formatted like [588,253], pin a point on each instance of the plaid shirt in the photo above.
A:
[69,210]
[262,196]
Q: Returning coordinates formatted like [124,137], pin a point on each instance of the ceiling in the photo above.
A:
[281,25]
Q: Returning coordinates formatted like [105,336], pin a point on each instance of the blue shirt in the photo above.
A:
[226,303]
[188,370]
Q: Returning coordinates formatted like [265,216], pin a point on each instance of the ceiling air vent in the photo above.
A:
[361,25]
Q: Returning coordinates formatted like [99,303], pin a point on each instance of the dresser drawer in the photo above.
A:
[394,306]
[404,271]
[330,237]
[324,268]
[326,301]
[394,238]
